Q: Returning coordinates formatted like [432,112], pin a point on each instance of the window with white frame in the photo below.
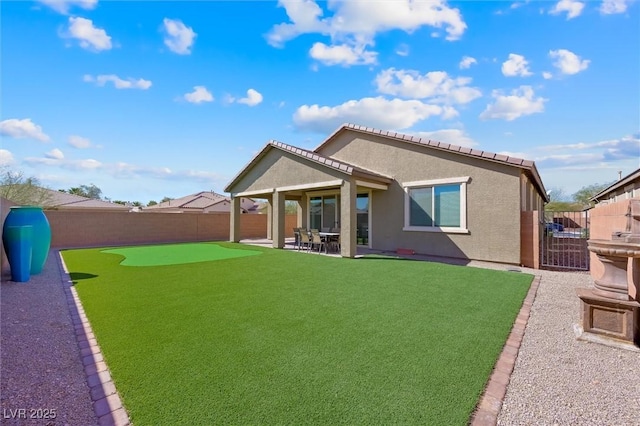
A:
[438,205]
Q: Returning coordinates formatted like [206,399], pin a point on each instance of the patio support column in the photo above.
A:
[278,219]
[234,226]
[269,217]
[303,213]
[348,218]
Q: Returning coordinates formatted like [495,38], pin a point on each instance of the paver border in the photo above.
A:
[107,404]
[490,404]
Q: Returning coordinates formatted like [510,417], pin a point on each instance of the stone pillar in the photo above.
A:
[234,226]
[269,217]
[278,219]
[348,219]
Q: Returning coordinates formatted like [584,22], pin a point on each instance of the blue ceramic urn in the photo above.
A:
[40,235]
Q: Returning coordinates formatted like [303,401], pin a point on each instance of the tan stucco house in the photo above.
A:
[624,189]
[390,191]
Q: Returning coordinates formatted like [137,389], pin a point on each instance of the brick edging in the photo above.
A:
[490,404]
[107,404]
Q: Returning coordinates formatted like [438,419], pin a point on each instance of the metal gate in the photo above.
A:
[563,239]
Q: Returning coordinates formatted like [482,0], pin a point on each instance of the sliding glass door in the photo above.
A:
[324,212]
[362,208]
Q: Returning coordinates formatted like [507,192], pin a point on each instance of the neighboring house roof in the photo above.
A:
[528,166]
[194,202]
[63,200]
[630,178]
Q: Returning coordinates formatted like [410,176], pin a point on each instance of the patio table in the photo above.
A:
[328,236]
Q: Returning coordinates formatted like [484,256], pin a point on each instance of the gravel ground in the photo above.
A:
[41,371]
[559,380]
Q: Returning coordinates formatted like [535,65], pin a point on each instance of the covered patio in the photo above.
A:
[329,194]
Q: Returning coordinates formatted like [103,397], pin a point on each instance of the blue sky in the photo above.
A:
[154,99]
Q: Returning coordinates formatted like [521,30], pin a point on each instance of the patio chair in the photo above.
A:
[316,240]
[304,239]
[334,244]
[296,234]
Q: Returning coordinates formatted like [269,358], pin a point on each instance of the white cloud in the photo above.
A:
[253,98]
[342,54]
[520,102]
[79,142]
[63,6]
[573,8]
[377,112]
[547,75]
[179,38]
[200,94]
[402,50]
[466,62]
[6,158]
[56,159]
[55,154]
[362,20]
[436,85]
[516,5]
[568,62]
[356,23]
[22,129]
[118,170]
[627,147]
[90,37]
[515,66]
[610,7]
[451,136]
[118,83]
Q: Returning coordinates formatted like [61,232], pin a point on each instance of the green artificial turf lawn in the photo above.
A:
[296,338]
[175,254]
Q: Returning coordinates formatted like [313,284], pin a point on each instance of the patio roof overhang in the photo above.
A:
[331,174]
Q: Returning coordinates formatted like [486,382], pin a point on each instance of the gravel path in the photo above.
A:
[41,371]
[557,380]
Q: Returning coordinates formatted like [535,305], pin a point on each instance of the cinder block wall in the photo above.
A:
[530,239]
[100,228]
[605,220]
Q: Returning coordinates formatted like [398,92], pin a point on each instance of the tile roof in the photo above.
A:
[199,200]
[64,200]
[527,165]
[329,162]
[635,175]
[341,166]
[430,143]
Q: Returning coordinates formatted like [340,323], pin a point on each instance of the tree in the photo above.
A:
[136,204]
[559,201]
[17,188]
[583,195]
[152,203]
[88,191]
[165,199]
[290,207]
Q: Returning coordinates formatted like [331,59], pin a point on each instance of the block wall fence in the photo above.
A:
[102,228]
[74,229]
